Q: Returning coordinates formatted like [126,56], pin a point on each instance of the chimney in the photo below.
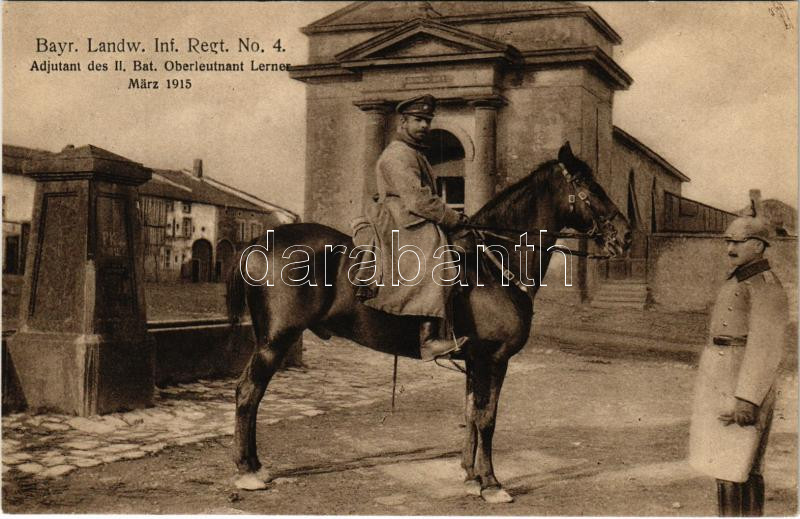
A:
[197,168]
[755,200]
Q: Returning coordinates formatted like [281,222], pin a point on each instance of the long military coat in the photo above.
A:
[751,304]
[407,202]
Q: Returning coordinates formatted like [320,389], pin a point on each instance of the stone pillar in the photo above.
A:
[481,177]
[82,345]
[374,142]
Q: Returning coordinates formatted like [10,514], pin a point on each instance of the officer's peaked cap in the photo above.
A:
[422,106]
[748,227]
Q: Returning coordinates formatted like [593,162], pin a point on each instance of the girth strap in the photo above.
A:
[504,272]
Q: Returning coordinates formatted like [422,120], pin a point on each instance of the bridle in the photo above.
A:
[601,225]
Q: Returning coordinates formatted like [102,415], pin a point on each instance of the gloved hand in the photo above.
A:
[744,413]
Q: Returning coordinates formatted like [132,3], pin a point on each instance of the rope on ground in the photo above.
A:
[394,382]
[457,367]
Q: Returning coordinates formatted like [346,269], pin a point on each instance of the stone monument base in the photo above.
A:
[83,374]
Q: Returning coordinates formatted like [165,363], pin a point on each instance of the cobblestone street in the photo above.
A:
[338,375]
[577,435]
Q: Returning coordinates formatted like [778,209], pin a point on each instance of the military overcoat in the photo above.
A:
[407,202]
[750,315]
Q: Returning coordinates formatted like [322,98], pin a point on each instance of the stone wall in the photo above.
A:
[188,350]
[686,270]
[184,351]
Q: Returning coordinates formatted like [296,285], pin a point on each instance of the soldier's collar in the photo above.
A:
[749,270]
[404,137]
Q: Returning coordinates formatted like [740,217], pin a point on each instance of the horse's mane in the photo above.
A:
[504,206]
[501,208]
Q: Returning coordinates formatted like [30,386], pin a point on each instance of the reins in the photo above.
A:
[482,231]
[493,232]
[578,193]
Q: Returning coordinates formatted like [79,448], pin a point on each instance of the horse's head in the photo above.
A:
[584,205]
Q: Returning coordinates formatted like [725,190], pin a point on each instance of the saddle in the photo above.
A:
[368,231]
[367,240]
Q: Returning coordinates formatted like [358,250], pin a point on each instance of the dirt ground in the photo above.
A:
[576,435]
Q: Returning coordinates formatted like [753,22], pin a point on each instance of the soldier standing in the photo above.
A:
[407,196]
[735,393]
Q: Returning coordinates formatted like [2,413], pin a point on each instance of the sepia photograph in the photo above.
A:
[401,258]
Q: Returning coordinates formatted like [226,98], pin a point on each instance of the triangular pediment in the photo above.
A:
[360,14]
[422,37]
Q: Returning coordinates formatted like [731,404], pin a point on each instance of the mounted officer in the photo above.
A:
[408,201]
[735,393]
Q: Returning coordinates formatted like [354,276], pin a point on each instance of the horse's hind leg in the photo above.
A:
[487,385]
[249,391]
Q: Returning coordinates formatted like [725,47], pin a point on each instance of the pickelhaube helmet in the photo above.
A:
[748,227]
[422,106]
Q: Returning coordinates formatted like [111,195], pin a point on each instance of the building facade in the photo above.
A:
[514,81]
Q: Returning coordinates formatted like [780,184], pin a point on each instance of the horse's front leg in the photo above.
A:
[487,388]
[472,485]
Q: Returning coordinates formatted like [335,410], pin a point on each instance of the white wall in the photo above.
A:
[18,192]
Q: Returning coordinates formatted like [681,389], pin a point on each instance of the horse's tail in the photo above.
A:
[235,295]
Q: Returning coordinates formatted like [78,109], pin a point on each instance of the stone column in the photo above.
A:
[482,176]
[82,345]
[373,143]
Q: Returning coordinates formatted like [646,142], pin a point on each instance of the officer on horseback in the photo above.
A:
[407,196]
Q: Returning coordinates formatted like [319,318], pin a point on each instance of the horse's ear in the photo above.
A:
[565,153]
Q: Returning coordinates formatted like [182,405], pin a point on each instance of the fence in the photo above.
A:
[684,215]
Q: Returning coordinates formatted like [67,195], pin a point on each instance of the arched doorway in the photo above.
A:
[201,261]
[446,155]
[224,258]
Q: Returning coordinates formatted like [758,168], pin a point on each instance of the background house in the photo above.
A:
[18,192]
[193,225]
[781,216]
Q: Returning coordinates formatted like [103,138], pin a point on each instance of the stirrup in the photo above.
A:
[437,348]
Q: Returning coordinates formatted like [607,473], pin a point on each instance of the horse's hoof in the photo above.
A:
[496,495]
[264,475]
[472,488]
[250,482]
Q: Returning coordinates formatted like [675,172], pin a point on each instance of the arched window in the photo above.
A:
[446,155]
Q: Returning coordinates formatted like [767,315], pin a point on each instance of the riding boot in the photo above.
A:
[729,498]
[431,346]
[753,496]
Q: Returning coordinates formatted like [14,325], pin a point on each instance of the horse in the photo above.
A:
[560,193]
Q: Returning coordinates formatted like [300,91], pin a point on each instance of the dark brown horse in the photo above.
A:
[496,315]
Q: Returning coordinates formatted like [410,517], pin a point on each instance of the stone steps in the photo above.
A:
[618,304]
[621,294]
